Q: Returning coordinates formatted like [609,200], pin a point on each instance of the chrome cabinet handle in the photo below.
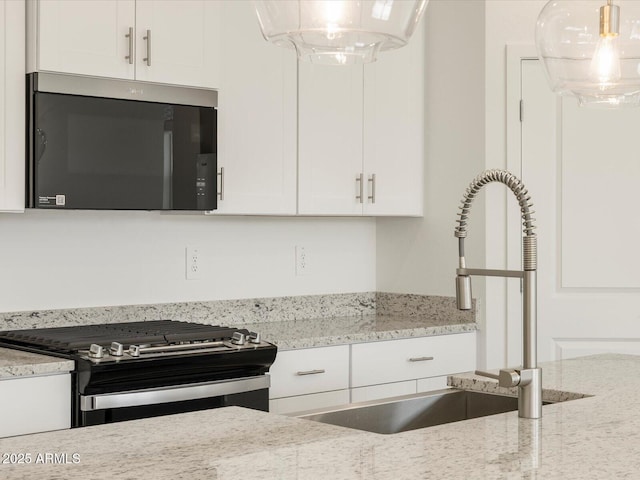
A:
[360,187]
[311,372]
[420,359]
[147,37]
[221,175]
[372,181]
[130,37]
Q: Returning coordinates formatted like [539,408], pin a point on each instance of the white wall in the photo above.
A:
[507,22]
[53,259]
[465,134]
[421,255]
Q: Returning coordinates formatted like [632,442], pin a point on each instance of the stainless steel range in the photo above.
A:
[135,370]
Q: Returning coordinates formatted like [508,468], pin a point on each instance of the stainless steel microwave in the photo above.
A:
[107,144]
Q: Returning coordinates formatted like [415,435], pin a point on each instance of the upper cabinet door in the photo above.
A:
[12,85]
[394,105]
[179,42]
[257,128]
[88,38]
[330,140]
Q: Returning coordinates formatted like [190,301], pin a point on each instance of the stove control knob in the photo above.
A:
[238,338]
[96,351]
[254,337]
[134,350]
[116,349]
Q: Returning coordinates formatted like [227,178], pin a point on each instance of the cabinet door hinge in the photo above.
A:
[521,109]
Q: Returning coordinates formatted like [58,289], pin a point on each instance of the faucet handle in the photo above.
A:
[506,378]
[482,373]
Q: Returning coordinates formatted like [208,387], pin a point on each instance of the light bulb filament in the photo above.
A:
[605,65]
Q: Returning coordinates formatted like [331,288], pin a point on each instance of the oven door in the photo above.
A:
[250,392]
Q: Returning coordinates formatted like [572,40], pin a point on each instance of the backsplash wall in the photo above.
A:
[73,259]
[284,314]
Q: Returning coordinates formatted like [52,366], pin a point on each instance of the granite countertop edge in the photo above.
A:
[365,337]
[334,331]
[16,363]
[287,335]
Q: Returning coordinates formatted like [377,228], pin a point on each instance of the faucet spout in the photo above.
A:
[528,378]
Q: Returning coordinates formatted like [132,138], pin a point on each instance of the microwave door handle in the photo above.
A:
[41,143]
[167,187]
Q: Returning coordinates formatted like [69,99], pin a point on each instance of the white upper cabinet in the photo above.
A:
[179,42]
[162,41]
[330,139]
[361,135]
[394,105]
[12,94]
[257,130]
[88,38]
[293,138]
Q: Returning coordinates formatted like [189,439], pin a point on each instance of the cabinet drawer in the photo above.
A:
[310,370]
[300,403]
[433,383]
[35,404]
[411,359]
[386,390]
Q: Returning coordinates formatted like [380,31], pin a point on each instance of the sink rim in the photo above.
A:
[387,400]
[392,415]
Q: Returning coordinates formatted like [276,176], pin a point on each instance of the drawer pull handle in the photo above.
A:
[311,372]
[420,359]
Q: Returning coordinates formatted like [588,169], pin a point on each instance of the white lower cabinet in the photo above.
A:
[412,358]
[435,383]
[323,377]
[312,401]
[35,404]
[376,392]
[299,373]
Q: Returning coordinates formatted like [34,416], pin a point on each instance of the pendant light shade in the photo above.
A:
[591,49]
[339,32]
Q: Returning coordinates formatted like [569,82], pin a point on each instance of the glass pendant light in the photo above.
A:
[591,49]
[339,32]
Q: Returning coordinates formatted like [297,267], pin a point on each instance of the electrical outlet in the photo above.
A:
[302,261]
[193,265]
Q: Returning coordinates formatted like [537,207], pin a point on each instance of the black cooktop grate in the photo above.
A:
[66,339]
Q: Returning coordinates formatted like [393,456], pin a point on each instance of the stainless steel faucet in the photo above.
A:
[528,378]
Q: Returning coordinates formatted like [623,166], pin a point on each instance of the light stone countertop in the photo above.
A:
[322,332]
[15,363]
[596,437]
[288,335]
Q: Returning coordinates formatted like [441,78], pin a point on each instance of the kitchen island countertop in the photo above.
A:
[594,437]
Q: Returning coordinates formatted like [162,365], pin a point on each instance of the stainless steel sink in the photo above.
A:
[409,412]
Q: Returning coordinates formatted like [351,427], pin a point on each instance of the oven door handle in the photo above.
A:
[175,393]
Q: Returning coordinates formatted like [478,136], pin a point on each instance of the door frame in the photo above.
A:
[515,55]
